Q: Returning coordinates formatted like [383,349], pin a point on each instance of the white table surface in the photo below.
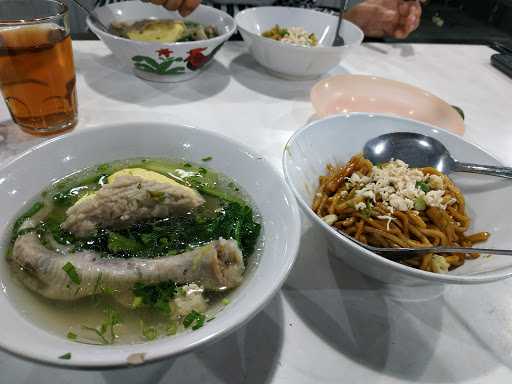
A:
[329,324]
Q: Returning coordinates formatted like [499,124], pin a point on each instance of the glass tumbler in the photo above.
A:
[37,74]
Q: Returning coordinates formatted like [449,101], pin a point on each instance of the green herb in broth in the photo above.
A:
[194,319]
[171,235]
[106,331]
[225,214]
[155,296]
[118,243]
[172,328]
[71,272]
[150,333]
[72,335]
[36,207]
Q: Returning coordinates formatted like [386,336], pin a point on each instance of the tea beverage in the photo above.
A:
[37,77]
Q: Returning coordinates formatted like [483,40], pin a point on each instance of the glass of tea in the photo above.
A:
[37,74]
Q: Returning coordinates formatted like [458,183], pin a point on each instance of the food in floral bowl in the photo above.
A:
[159,44]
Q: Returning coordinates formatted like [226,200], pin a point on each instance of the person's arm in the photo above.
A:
[185,7]
[379,18]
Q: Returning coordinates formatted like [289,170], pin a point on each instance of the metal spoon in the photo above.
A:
[423,151]
[92,16]
[338,39]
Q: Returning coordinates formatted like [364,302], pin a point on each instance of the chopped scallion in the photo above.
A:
[420,204]
[194,319]
[172,328]
[423,186]
[150,333]
[71,272]
[137,302]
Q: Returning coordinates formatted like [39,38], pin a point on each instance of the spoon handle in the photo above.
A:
[338,40]
[92,16]
[404,252]
[484,169]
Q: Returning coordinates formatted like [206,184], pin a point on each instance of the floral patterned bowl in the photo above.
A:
[162,62]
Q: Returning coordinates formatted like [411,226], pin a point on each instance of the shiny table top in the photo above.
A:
[329,324]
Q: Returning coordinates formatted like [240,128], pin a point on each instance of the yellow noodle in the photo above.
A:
[431,227]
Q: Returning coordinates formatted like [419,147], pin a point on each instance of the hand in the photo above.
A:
[185,7]
[379,18]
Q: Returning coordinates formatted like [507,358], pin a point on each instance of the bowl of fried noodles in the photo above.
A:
[395,205]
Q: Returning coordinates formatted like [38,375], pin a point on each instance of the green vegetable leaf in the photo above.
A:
[160,237]
[214,192]
[423,186]
[36,207]
[208,158]
[66,356]
[71,272]
[155,296]
[71,336]
[119,244]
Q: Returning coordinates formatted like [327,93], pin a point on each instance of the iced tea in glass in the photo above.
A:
[37,74]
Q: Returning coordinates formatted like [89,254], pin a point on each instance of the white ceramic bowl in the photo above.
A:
[291,61]
[26,176]
[335,139]
[163,62]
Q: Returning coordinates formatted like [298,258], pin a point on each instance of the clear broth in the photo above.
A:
[61,317]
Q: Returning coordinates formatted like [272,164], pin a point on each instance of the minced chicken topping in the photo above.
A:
[400,188]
